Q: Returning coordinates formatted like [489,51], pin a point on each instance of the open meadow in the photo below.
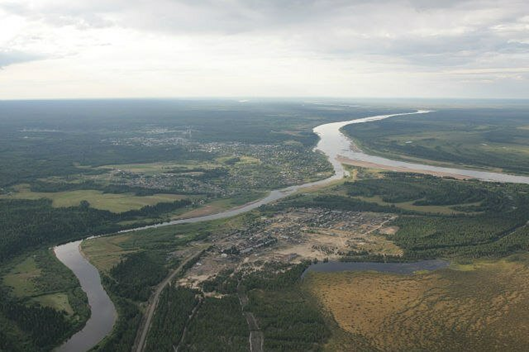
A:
[473,307]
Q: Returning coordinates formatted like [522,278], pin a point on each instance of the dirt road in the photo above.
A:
[139,343]
[256,335]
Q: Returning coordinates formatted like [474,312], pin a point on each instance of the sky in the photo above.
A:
[55,49]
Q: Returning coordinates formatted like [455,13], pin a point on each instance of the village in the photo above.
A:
[294,235]
[228,169]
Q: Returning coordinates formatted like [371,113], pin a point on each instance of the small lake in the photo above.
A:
[397,268]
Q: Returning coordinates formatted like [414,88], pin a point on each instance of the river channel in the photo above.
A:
[333,143]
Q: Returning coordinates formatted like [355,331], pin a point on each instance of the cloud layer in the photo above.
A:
[91,48]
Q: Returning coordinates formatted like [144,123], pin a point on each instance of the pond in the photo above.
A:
[397,268]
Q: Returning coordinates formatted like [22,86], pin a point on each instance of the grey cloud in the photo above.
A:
[15,57]
[329,27]
[188,16]
[81,14]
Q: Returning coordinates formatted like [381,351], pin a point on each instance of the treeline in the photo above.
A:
[289,321]
[157,209]
[219,325]
[130,281]
[172,314]
[423,189]
[288,318]
[27,224]
[277,276]
[42,328]
[134,276]
[435,236]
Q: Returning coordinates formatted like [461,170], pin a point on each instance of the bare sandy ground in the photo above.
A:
[371,165]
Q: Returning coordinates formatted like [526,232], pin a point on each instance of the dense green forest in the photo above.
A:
[422,189]
[219,325]
[27,224]
[134,276]
[174,309]
[288,318]
[130,282]
[44,327]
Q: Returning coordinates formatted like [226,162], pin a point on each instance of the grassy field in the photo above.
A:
[116,203]
[159,167]
[21,277]
[481,306]
[58,301]
[39,277]
[105,252]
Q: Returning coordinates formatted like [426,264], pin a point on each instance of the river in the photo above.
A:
[332,143]
[103,315]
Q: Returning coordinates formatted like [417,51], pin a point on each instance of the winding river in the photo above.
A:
[333,143]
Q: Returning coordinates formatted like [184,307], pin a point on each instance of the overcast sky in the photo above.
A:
[251,48]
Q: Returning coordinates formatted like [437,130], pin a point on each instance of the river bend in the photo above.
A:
[333,143]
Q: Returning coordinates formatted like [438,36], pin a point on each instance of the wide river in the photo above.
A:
[333,143]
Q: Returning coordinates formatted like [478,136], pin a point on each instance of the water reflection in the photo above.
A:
[398,268]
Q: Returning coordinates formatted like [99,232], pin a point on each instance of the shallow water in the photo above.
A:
[398,268]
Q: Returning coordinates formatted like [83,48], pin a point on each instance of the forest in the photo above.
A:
[28,224]
[175,306]
[219,325]
[130,283]
[287,316]
[134,276]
